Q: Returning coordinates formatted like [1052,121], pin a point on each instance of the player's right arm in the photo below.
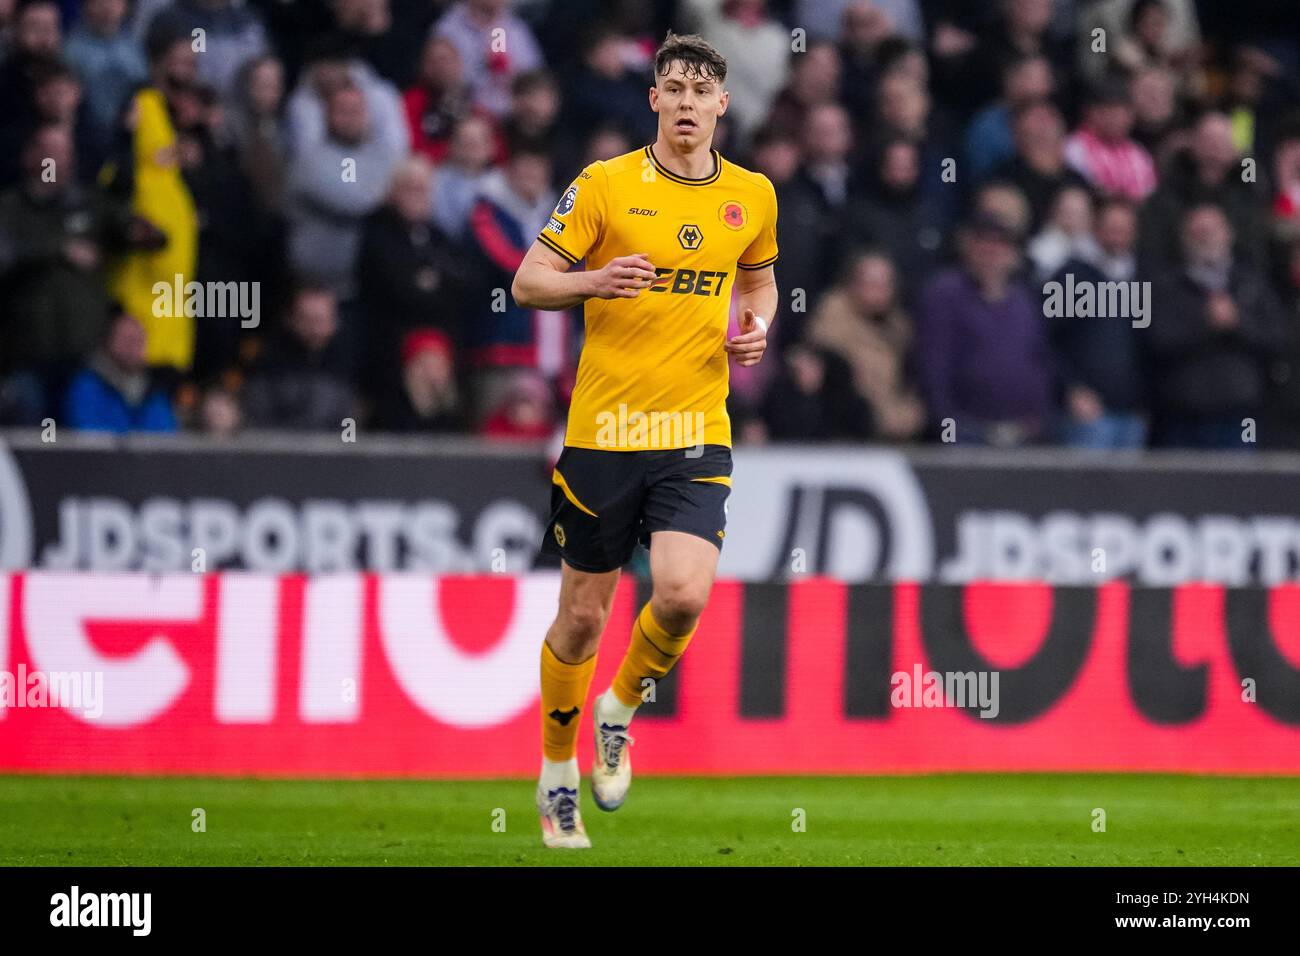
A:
[544,281]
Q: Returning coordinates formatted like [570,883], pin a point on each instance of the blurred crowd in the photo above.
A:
[228,214]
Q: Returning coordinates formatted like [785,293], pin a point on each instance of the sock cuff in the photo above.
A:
[552,666]
[671,644]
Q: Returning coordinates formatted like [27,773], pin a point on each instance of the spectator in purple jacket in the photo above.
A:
[982,344]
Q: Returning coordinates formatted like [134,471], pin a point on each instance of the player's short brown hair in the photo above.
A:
[697,56]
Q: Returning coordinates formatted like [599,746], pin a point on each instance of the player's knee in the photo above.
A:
[582,624]
[678,606]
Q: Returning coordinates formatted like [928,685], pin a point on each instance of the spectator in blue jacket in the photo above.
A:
[115,392]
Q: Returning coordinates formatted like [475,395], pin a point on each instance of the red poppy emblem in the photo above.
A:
[733,215]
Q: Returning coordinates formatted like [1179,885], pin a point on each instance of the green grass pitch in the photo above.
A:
[1007,819]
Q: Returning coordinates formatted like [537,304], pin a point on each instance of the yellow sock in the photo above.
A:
[651,653]
[564,691]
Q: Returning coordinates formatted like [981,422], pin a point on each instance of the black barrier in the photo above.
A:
[280,503]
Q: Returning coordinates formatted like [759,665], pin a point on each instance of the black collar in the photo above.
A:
[686,180]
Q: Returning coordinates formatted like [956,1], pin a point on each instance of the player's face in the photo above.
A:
[688,106]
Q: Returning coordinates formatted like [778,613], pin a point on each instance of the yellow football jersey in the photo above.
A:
[653,373]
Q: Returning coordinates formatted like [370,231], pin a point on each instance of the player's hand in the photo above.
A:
[624,277]
[748,347]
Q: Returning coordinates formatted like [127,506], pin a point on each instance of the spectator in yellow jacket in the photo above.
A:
[150,173]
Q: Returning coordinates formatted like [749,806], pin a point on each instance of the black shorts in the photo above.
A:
[604,502]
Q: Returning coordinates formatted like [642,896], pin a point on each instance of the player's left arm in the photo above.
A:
[755,291]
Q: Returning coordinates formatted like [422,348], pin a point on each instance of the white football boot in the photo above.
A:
[561,820]
[611,771]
